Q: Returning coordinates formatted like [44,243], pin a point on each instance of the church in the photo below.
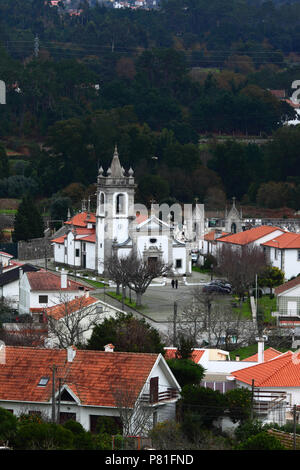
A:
[120,227]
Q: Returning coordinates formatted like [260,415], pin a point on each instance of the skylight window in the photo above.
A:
[43,381]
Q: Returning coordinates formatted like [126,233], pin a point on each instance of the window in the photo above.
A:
[120,204]
[43,381]
[77,252]
[43,299]
[179,263]
[101,202]
[276,253]
[154,390]
[298,255]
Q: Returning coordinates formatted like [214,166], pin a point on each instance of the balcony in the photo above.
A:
[158,397]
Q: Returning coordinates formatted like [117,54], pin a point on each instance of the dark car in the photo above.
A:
[222,283]
[216,289]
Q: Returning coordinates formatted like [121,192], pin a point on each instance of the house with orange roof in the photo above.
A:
[283,252]
[288,302]
[73,321]
[255,236]
[88,385]
[275,385]
[42,289]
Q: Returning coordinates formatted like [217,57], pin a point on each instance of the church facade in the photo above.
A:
[120,227]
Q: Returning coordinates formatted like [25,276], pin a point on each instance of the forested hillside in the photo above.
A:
[152,82]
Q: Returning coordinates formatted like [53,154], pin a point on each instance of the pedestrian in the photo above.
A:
[176,283]
[173,283]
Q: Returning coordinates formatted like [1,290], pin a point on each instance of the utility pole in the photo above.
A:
[53,393]
[294,426]
[36,46]
[252,400]
[58,405]
[174,324]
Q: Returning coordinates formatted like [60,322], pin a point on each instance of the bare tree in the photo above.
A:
[140,273]
[136,273]
[132,405]
[240,265]
[209,318]
[69,320]
[116,272]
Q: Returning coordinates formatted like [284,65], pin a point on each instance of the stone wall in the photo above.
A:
[36,248]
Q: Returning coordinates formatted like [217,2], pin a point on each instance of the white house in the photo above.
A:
[256,236]
[79,315]
[5,259]
[283,252]
[90,384]
[288,299]
[9,282]
[42,289]
[276,386]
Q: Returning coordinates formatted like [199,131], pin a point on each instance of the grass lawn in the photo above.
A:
[266,305]
[96,284]
[197,269]
[8,211]
[126,300]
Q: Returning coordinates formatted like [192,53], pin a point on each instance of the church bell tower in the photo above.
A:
[115,209]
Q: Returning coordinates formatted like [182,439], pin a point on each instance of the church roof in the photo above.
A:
[82,219]
[116,171]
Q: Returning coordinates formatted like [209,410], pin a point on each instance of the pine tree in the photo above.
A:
[28,221]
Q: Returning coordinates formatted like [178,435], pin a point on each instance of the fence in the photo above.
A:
[287,439]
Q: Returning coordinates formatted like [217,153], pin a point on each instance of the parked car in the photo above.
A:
[216,288]
[221,282]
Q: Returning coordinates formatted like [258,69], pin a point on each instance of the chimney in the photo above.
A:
[20,273]
[71,353]
[260,349]
[109,348]
[237,357]
[63,279]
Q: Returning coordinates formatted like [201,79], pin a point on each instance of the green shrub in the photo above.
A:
[261,441]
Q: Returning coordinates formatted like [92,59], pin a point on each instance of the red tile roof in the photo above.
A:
[287,285]
[6,254]
[287,240]
[90,238]
[81,219]
[94,376]
[210,236]
[65,308]
[283,371]
[249,236]
[46,281]
[196,354]
[59,239]
[269,353]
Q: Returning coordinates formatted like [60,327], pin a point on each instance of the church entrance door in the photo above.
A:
[152,261]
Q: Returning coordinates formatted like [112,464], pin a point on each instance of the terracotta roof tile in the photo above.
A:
[269,353]
[249,236]
[196,354]
[46,281]
[287,240]
[283,371]
[81,219]
[210,236]
[287,285]
[65,308]
[93,375]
